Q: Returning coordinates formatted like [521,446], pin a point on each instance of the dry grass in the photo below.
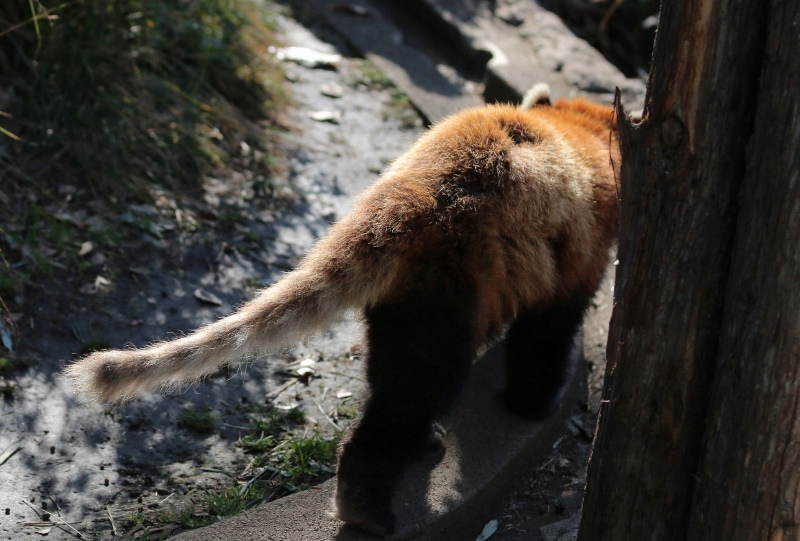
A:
[104,103]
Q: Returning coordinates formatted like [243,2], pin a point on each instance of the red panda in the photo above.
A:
[498,218]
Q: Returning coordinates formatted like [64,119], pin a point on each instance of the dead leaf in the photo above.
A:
[326,116]
[85,248]
[102,285]
[287,407]
[6,336]
[488,530]
[341,393]
[332,90]
[306,57]
[303,369]
[304,372]
[305,363]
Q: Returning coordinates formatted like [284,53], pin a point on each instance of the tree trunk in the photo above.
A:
[699,430]
[749,479]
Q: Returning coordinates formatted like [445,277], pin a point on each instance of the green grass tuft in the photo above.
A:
[233,500]
[103,104]
[137,92]
[201,422]
[305,461]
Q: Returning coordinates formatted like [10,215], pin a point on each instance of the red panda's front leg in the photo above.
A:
[419,353]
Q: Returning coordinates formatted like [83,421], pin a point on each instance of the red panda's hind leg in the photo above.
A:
[419,353]
[537,350]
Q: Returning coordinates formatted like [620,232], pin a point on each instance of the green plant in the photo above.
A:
[201,422]
[233,500]
[295,415]
[136,92]
[186,517]
[254,443]
[368,74]
[10,365]
[305,461]
[7,388]
[268,429]
[401,108]
[347,411]
[136,517]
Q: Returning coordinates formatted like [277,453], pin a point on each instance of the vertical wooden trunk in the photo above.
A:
[748,483]
[682,171]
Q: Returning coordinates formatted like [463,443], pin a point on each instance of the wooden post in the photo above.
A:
[702,379]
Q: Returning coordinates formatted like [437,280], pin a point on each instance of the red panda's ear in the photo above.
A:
[539,94]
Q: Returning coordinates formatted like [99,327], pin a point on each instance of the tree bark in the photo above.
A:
[748,483]
[703,344]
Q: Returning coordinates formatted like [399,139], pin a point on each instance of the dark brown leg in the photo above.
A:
[419,353]
[537,353]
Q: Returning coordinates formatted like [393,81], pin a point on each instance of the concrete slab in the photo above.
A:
[510,59]
[415,74]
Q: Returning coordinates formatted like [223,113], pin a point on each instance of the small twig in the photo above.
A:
[58,507]
[210,470]
[327,418]
[236,426]
[111,499]
[111,520]
[171,495]
[45,523]
[39,511]
[337,373]
[544,466]
[272,395]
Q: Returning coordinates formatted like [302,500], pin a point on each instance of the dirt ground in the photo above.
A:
[90,467]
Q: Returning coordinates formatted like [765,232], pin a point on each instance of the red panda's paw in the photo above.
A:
[354,506]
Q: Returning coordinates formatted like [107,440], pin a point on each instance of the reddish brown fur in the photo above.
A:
[454,194]
[496,214]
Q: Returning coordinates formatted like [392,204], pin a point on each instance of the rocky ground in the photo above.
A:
[91,469]
[93,466]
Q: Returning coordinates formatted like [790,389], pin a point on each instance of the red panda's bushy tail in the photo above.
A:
[304,301]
